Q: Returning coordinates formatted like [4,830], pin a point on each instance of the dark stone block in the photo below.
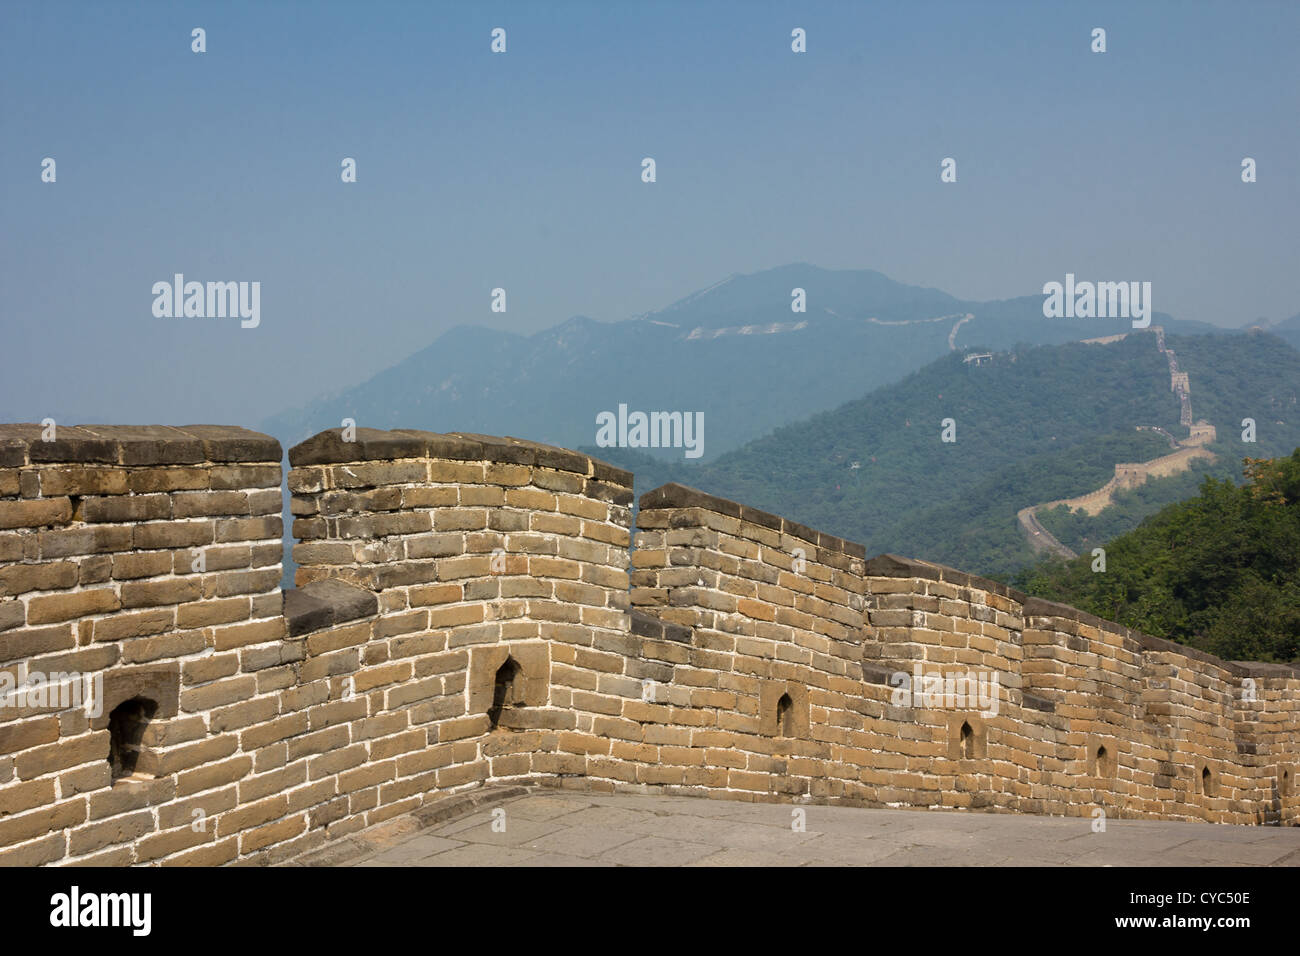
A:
[324,604]
[832,543]
[151,444]
[390,446]
[561,459]
[328,447]
[876,675]
[1038,703]
[373,444]
[603,471]
[606,491]
[645,624]
[230,443]
[136,445]
[13,453]
[507,451]
[72,444]
[765,519]
[673,495]
[450,447]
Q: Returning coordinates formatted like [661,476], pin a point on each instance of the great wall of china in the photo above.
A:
[468,612]
[1128,474]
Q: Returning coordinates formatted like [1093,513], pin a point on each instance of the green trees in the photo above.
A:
[1220,572]
[1033,425]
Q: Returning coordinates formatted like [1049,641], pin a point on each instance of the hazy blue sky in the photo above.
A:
[522,170]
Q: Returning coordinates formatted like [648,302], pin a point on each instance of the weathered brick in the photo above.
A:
[218,694]
[170,645]
[263,785]
[157,593]
[250,529]
[18,797]
[182,812]
[252,814]
[117,831]
[51,576]
[94,569]
[12,546]
[199,754]
[38,823]
[435,594]
[227,477]
[289,725]
[205,669]
[254,632]
[370,474]
[35,513]
[82,480]
[133,624]
[163,844]
[122,508]
[131,794]
[48,849]
[174,534]
[13,613]
[272,833]
[244,582]
[20,735]
[85,779]
[127,566]
[53,608]
[207,777]
[195,504]
[206,613]
[74,541]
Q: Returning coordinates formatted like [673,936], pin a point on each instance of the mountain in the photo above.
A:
[1232,377]
[1220,572]
[1289,330]
[734,352]
[1032,425]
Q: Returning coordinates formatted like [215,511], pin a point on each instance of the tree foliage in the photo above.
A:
[1220,572]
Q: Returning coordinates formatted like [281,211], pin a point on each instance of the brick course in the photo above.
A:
[467,611]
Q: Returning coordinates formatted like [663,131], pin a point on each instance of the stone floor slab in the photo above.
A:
[656,851]
[554,829]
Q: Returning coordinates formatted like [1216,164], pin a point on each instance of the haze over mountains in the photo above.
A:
[1288,330]
[1031,425]
[734,351]
[832,416]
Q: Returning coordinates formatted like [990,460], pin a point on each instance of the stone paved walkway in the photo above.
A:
[575,829]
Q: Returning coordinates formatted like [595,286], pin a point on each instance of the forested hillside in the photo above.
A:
[1220,572]
[735,351]
[1233,377]
[1031,425]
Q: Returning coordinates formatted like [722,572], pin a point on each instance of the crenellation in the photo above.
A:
[467,611]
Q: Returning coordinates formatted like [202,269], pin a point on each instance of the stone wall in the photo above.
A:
[147,559]
[466,612]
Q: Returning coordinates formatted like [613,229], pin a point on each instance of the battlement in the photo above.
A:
[468,611]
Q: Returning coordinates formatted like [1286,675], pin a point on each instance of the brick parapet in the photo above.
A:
[736,654]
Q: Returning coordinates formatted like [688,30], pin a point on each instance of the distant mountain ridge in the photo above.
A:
[1287,330]
[734,351]
[1033,424]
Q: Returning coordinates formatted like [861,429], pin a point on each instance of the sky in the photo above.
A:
[522,170]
